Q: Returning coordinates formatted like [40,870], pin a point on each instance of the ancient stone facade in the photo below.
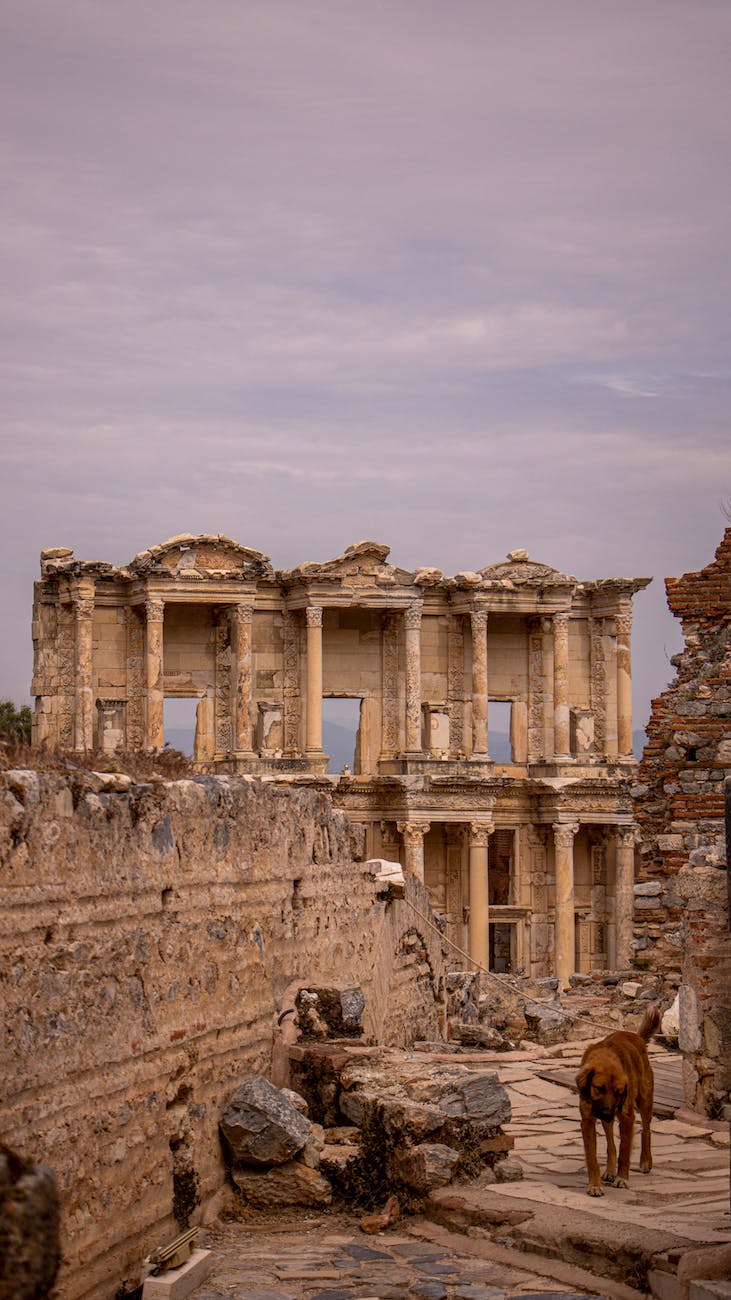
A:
[149,936]
[530,857]
[679,800]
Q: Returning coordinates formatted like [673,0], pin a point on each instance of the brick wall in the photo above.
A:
[679,796]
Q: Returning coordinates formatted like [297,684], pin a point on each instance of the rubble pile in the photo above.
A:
[361,1123]
[500,1014]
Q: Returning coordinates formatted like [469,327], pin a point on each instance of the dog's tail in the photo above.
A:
[650,1022]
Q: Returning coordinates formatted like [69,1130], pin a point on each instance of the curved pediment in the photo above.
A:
[520,568]
[364,564]
[201,556]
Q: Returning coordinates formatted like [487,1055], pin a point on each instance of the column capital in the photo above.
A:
[560,619]
[564,833]
[623,620]
[412,615]
[313,614]
[480,833]
[154,609]
[243,611]
[413,832]
[478,616]
[626,836]
[84,606]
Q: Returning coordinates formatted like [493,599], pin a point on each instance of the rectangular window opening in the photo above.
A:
[179,721]
[499,716]
[341,731]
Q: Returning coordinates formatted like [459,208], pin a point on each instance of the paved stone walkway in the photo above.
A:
[687,1190]
[318,1263]
[684,1199]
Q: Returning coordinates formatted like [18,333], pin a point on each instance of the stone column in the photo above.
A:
[561,742]
[624,685]
[83,689]
[241,620]
[624,894]
[565,956]
[154,724]
[412,618]
[413,836]
[478,619]
[314,679]
[479,926]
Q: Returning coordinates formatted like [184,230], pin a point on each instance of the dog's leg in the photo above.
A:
[626,1129]
[588,1133]
[610,1173]
[645,1107]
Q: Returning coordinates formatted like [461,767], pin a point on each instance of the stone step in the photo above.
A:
[567,1274]
[618,1241]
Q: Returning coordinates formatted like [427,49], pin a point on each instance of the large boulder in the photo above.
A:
[261,1126]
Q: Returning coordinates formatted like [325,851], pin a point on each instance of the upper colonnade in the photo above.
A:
[238,583]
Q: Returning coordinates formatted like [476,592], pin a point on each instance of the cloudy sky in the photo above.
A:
[453,276]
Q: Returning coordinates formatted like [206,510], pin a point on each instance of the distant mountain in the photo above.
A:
[339,742]
[180,738]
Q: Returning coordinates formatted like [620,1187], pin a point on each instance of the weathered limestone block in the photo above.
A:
[261,1126]
[292,1183]
[332,1012]
[426,1166]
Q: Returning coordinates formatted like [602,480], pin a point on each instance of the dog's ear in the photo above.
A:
[622,1098]
[583,1081]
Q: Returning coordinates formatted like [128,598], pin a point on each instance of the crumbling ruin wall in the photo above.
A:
[679,798]
[148,933]
[705,990]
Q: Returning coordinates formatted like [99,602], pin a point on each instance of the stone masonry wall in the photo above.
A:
[679,798]
[705,990]
[147,933]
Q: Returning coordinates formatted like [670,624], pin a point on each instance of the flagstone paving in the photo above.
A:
[683,1202]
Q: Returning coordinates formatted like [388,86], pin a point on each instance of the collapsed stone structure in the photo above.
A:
[427,656]
[681,903]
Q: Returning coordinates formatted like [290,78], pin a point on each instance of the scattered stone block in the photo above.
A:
[261,1126]
[289,1184]
[179,1282]
[426,1166]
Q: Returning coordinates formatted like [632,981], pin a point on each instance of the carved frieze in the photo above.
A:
[598,682]
[223,657]
[390,714]
[135,671]
[455,684]
[292,702]
[536,691]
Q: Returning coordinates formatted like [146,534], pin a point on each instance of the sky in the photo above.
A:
[450,276]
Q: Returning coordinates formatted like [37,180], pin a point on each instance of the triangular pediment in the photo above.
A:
[201,556]
[363,564]
[520,568]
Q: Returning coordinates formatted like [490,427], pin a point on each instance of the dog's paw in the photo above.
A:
[595,1190]
[608,1178]
[645,1166]
[621,1182]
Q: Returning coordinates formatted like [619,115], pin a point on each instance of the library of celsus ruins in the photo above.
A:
[529,855]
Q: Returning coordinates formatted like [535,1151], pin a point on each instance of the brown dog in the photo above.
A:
[615,1077]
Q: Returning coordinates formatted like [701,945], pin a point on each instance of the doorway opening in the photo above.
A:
[179,719]
[340,731]
[502,957]
[499,715]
